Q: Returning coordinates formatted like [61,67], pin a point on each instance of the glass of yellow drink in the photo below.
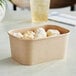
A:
[39,10]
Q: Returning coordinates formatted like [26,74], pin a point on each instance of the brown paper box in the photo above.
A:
[41,50]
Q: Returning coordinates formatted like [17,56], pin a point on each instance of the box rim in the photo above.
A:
[9,33]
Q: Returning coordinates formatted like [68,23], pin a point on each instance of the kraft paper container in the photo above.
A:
[39,50]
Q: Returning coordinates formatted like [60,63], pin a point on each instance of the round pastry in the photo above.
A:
[19,35]
[40,33]
[28,35]
[52,32]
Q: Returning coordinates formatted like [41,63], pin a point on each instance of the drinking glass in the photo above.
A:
[39,10]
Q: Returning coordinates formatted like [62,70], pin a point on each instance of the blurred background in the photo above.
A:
[54,4]
[14,6]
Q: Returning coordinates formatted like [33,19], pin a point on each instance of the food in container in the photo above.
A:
[34,51]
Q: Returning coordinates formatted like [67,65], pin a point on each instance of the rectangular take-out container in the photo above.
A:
[39,50]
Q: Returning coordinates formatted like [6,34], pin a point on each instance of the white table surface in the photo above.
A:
[9,67]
